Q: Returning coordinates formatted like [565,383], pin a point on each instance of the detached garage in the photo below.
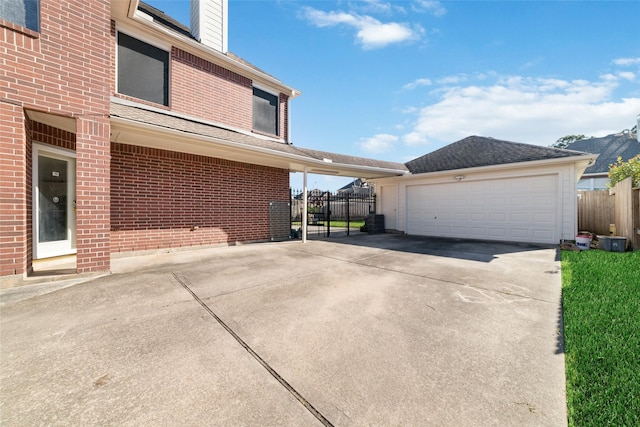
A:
[483,188]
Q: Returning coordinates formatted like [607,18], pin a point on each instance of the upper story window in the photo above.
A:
[21,12]
[265,112]
[143,70]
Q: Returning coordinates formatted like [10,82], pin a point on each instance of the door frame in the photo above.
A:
[63,247]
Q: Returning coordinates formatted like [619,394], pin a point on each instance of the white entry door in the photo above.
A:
[54,222]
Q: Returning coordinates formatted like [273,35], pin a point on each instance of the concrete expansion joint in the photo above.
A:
[184,282]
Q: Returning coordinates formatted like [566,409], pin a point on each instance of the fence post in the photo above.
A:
[348,216]
[328,213]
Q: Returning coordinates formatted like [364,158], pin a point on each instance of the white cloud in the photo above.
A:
[627,61]
[371,33]
[375,6]
[378,143]
[453,79]
[627,75]
[524,109]
[432,6]
[417,83]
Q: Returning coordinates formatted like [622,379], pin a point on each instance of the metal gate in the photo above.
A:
[332,213]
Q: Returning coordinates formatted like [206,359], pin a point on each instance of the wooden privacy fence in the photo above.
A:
[596,211]
[619,206]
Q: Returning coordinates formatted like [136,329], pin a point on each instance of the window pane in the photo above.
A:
[143,70]
[21,12]
[265,112]
[52,199]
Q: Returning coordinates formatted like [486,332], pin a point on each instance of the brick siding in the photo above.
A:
[166,199]
[206,90]
[127,198]
[65,69]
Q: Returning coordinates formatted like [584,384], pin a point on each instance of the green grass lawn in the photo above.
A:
[601,308]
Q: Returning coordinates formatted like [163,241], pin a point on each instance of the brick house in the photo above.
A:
[123,130]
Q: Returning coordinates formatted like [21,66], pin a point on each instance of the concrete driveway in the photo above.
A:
[377,330]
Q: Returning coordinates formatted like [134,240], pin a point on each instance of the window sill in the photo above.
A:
[270,135]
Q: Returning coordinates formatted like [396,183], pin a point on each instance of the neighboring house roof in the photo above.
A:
[357,187]
[478,151]
[245,144]
[609,147]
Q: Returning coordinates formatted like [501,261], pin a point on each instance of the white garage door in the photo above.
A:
[514,209]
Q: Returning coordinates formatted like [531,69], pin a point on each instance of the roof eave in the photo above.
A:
[215,147]
[582,162]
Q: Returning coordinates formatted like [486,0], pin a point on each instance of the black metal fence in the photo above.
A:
[337,212]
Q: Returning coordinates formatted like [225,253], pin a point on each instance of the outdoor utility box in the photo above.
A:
[375,223]
[612,243]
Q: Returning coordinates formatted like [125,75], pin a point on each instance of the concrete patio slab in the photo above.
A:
[365,330]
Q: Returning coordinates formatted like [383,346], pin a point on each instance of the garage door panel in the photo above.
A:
[519,217]
[516,209]
[541,235]
[497,232]
[543,218]
[497,216]
[478,231]
[519,233]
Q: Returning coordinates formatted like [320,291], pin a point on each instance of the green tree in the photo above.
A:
[566,140]
[622,170]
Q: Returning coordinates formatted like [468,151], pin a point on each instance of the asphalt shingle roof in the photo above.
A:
[477,151]
[195,127]
[609,148]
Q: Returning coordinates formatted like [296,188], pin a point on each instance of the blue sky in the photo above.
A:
[394,80]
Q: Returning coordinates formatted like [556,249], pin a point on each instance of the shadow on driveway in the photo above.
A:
[468,249]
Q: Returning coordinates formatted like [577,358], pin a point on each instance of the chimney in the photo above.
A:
[209,23]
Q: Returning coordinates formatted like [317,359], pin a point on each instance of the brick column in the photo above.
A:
[13,190]
[92,193]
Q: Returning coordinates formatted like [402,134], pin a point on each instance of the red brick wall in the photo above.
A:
[206,90]
[162,199]
[13,197]
[65,69]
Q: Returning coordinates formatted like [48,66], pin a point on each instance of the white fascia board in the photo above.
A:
[206,52]
[314,165]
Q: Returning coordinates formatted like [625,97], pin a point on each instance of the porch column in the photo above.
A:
[93,221]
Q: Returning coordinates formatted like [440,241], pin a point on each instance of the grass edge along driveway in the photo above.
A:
[601,309]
